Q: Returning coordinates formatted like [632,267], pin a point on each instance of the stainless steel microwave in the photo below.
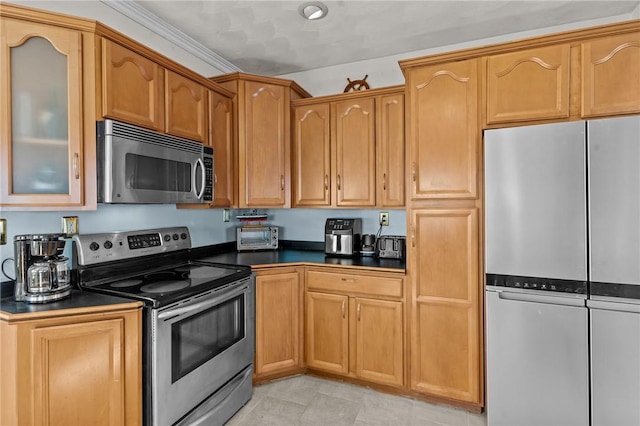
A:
[137,165]
[256,238]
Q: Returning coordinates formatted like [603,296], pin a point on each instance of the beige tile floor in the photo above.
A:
[307,400]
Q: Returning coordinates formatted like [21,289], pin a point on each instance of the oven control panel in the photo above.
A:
[91,249]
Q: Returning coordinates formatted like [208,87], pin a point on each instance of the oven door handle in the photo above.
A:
[204,304]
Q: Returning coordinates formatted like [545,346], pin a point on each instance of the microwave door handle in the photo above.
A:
[203,182]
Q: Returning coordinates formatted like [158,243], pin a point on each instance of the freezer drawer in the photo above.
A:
[615,364]
[537,360]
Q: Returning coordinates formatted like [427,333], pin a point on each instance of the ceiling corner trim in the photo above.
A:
[167,31]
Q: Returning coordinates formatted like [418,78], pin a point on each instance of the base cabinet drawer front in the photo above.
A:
[327,332]
[132,87]
[611,76]
[528,85]
[379,341]
[278,322]
[357,284]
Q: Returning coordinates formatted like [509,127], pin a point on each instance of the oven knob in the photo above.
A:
[94,246]
[107,245]
[175,236]
[167,238]
[183,236]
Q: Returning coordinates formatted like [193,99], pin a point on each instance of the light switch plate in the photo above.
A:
[70,225]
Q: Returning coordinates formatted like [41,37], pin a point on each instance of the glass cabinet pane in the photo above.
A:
[40,129]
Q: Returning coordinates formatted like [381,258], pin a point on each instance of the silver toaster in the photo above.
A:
[391,246]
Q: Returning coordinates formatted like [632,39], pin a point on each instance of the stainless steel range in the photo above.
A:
[198,326]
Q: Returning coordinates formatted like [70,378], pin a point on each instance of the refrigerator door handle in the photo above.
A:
[614,306]
[542,298]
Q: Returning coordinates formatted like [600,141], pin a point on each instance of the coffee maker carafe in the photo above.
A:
[42,273]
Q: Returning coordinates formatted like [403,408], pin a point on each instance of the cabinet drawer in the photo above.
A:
[352,283]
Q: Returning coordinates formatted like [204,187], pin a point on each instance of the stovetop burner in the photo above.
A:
[126,283]
[164,286]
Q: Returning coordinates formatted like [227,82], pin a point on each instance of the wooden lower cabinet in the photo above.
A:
[278,322]
[355,334]
[81,369]
[327,332]
[445,304]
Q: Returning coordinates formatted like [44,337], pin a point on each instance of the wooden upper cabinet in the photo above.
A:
[221,127]
[446,309]
[443,131]
[390,154]
[528,85]
[355,149]
[611,76]
[264,149]
[185,107]
[311,155]
[132,87]
[41,115]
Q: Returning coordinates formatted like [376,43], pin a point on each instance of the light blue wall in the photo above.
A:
[206,226]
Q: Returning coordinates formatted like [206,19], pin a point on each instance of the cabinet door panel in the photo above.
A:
[41,151]
[611,76]
[277,322]
[445,308]
[528,85]
[355,152]
[379,342]
[312,160]
[443,130]
[132,87]
[185,107]
[390,138]
[327,337]
[78,371]
[264,146]
[222,141]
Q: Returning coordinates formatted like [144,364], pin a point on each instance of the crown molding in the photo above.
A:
[167,31]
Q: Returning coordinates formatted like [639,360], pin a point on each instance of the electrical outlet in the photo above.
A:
[226,215]
[384,218]
[70,225]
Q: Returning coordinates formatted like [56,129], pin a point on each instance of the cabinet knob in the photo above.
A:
[339,183]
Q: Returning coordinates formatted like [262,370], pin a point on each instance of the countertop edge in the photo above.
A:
[57,313]
[266,266]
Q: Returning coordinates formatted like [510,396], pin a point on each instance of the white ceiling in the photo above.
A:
[271,38]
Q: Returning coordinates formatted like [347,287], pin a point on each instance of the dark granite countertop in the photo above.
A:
[290,253]
[78,300]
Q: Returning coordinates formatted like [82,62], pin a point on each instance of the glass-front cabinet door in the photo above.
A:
[40,114]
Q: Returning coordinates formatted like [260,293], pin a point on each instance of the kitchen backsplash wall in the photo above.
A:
[206,226]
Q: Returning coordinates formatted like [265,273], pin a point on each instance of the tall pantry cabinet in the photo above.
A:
[443,261]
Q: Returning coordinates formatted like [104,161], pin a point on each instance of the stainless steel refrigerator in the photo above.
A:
[562,216]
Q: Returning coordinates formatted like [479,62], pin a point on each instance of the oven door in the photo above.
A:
[197,346]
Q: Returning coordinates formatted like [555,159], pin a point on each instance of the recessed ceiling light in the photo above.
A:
[313,10]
